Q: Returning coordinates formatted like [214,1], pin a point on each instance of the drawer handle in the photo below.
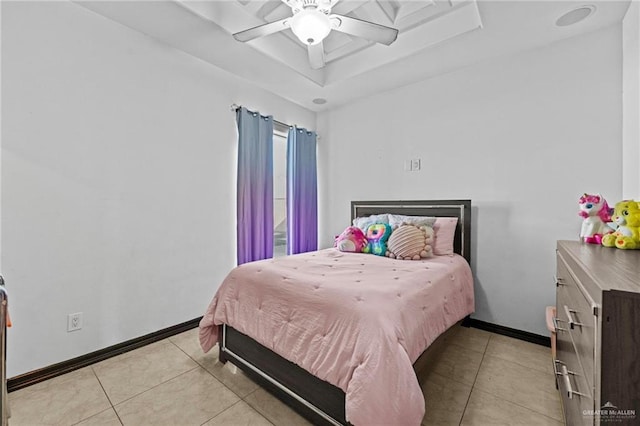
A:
[555,324]
[567,382]
[559,281]
[572,323]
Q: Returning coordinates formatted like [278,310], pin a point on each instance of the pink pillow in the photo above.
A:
[445,230]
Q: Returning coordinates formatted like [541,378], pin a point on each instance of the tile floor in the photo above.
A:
[481,379]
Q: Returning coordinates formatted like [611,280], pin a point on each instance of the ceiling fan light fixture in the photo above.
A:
[310,26]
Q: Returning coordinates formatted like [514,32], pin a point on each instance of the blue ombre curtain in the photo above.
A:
[302,191]
[255,186]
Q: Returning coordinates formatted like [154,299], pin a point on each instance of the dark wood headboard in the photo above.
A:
[445,208]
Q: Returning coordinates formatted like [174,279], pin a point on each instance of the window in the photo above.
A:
[277,185]
[279,191]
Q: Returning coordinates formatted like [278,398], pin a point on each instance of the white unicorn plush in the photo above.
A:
[596,213]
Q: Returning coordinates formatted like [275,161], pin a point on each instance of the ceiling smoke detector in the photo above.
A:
[576,15]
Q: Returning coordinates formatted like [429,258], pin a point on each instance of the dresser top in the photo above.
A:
[610,268]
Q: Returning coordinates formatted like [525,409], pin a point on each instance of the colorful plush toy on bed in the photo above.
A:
[626,215]
[596,214]
[377,235]
[352,239]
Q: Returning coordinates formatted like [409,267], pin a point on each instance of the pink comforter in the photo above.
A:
[358,321]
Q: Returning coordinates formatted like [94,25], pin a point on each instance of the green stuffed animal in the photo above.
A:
[626,215]
[377,235]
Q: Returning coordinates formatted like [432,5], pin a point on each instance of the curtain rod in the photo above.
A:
[235,107]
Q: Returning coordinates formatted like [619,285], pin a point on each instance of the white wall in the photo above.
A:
[631,102]
[522,136]
[118,180]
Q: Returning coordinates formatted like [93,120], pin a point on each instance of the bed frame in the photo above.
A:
[321,402]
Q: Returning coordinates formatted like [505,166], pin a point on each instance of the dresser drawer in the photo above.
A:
[576,312]
[576,393]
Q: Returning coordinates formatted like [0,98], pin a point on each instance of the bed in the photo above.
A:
[308,337]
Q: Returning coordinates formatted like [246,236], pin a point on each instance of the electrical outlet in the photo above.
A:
[412,165]
[74,321]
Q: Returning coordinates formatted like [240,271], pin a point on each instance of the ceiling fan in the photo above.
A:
[312,21]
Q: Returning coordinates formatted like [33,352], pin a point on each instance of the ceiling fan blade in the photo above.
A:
[262,30]
[316,55]
[359,28]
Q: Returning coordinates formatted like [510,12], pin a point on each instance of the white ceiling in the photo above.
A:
[421,22]
[436,36]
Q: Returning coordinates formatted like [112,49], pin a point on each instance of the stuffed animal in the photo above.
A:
[596,214]
[626,215]
[352,239]
[377,234]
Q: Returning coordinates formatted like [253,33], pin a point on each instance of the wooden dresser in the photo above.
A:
[598,333]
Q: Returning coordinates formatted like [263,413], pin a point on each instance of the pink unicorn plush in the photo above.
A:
[596,213]
[352,239]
